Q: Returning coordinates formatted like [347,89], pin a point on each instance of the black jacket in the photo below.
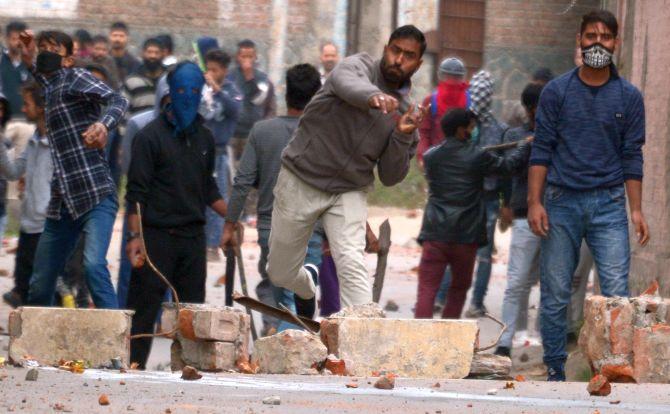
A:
[455,171]
[171,177]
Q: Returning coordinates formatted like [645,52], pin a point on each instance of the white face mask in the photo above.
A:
[597,56]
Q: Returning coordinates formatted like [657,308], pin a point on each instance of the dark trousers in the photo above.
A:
[23,264]
[435,257]
[183,261]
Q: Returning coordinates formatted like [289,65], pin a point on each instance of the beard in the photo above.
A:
[394,73]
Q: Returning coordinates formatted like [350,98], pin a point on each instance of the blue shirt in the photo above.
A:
[589,137]
[221,111]
[74,101]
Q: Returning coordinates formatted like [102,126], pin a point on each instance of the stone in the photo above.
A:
[274,400]
[391,306]
[386,382]
[50,335]
[368,310]
[651,361]
[490,366]
[415,348]
[618,373]
[288,352]
[189,373]
[205,322]
[32,374]
[578,367]
[207,355]
[599,386]
[103,399]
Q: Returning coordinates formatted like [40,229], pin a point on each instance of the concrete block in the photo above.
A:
[51,334]
[288,352]
[652,354]
[206,322]
[207,355]
[416,348]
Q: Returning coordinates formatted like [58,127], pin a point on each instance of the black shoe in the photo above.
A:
[13,299]
[555,374]
[503,351]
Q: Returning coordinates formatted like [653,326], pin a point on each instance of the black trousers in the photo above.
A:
[183,261]
[23,264]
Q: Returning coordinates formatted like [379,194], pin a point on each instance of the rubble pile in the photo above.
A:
[208,338]
[628,339]
[289,352]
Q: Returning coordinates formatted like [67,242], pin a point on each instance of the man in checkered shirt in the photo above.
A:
[83,195]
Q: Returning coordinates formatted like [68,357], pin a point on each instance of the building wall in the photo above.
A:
[644,53]
[522,36]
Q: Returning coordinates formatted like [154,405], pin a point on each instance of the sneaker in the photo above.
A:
[475,312]
[555,374]
[503,351]
[12,298]
[213,254]
[437,309]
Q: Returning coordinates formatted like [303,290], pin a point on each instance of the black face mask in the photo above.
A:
[152,65]
[48,62]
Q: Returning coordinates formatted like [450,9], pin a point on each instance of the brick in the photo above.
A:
[651,361]
[207,355]
[288,352]
[594,338]
[206,322]
[621,328]
[48,335]
[415,348]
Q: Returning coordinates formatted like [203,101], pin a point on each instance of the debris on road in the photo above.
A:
[75,367]
[509,385]
[490,366]
[335,365]
[189,373]
[103,399]
[492,391]
[519,378]
[289,352]
[437,385]
[32,374]
[386,382]
[391,306]
[599,386]
[351,385]
[273,400]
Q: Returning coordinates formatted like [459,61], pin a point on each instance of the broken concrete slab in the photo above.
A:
[207,355]
[289,352]
[490,366]
[416,348]
[368,310]
[651,361]
[49,335]
[205,322]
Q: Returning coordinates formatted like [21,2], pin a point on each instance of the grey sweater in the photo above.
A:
[259,167]
[340,140]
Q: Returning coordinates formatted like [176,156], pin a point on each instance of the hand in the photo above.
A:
[211,83]
[371,241]
[21,186]
[135,253]
[411,119]
[506,217]
[538,220]
[530,138]
[95,136]
[228,238]
[28,47]
[641,227]
[385,103]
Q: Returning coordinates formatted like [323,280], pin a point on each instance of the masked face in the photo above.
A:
[597,56]
[48,62]
[185,93]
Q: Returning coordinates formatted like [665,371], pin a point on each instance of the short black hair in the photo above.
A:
[302,82]
[35,91]
[218,56]
[600,16]
[409,32]
[152,41]
[57,37]
[118,26]
[166,41]
[531,95]
[543,75]
[83,37]
[454,119]
[100,39]
[246,44]
[15,26]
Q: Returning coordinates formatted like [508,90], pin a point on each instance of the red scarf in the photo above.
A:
[451,94]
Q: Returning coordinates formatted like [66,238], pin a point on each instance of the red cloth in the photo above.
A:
[450,94]
[435,257]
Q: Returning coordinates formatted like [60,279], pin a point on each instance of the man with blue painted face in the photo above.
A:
[170,178]
[586,158]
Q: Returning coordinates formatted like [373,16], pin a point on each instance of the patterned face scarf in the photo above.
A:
[481,95]
[597,56]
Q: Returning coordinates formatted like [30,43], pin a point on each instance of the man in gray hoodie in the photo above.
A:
[361,119]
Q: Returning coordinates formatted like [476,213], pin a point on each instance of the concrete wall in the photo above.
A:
[522,36]
[644,59]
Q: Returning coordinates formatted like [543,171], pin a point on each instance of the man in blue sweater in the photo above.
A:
[588,149]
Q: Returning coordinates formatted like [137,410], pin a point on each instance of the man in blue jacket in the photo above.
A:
[588,149]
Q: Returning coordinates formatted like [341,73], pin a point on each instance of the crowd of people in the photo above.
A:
[196,137]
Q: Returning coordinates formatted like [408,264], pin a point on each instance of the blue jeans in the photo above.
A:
[214,226]
[599,217]
[492,205]
[523,271]
[58,241]
[285,296]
